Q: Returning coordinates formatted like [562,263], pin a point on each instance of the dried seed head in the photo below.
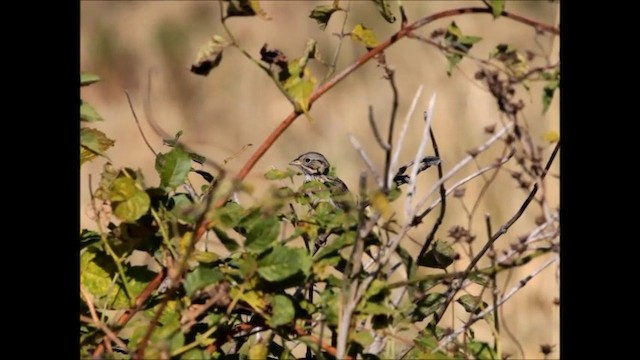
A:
[459,192]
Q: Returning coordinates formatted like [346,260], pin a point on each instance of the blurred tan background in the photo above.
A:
[237,104]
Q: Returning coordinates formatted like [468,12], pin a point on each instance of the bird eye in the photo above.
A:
[307,160]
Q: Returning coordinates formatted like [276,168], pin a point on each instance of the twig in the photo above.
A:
[465,180]
[332,66]
[135,117]
[403,132]
[270,140]
[503,229]
[428,117]
[459,166]
[394,110]
[94,319]
[372,168]
[492,308]
[376,132]
[443,198]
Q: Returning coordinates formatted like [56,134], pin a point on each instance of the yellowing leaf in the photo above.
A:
[367,37]
[209,55]
[385,10]
[551,136]
[380,202]
[322,14]
[93,143]
[246,8]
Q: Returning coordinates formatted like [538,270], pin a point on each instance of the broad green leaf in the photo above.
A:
[173,167]
[364,337]
[196,354]
[322,13]
[481,350]
[330,301]
[497,7]
[425,344]
[228,242]
[283,262]
[439,256]
[385,10]
[209,55]
[97,273]
[246,8]
[88,79]
[365,36]
[277,174]
[258,351]
[283,311]
[88,113]
[428,305]
[262,234]
[376,308]
[472,304]
[128,201]
[93,143]
[376,288]
[299,87]
[479,279]
[460,44]
[201,277]
[205,257]
[336,245]
[228,216]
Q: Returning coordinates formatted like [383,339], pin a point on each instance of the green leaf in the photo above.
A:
[336,245]
[88,113]
[283,262]
[88,237]
[228,242]
[173,167]
[549,90]
[93,143]
[322,13]
[439,256]
[365,36]
[173,142]
[283,311]
[88,79]
[509,56]
[97,274]
[299,86]
[201,277]
[497,7]
[209,55]
[205,257]
[385,10]
[277,174]
[364,337]
[425,344]
[428,305]
[482,350]
[262,234]
[128,201]
[246,8]
[472,304]
[460,44]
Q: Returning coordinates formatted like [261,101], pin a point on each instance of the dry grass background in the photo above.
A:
[237,105]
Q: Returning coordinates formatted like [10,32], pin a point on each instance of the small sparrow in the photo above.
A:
[315,167]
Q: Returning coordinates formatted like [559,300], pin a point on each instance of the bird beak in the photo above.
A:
[295,162]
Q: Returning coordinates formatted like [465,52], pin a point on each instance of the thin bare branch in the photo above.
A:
[372,168]
[96,321]
[376,132]
[492,308]
[403,132]
[135,117]
[428,115]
